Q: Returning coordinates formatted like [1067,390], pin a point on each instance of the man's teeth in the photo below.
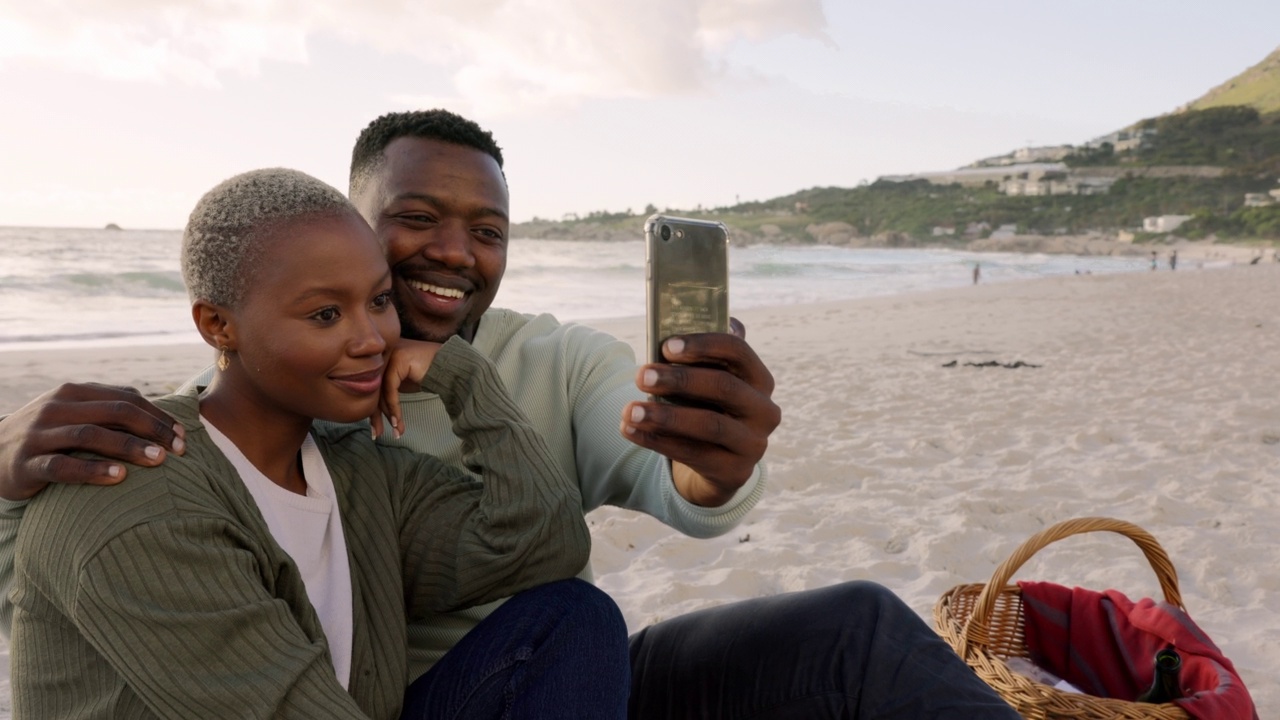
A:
[436,289]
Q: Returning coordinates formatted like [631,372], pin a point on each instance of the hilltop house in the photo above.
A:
[1044,154]
[1049,182]
[1023,179]
[1163,223]
[1122,140]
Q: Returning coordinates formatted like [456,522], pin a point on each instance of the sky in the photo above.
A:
[126,111]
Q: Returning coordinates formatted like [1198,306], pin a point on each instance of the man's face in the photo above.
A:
[441,211]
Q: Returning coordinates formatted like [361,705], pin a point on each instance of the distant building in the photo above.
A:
[1046,178]
[941,230]
[1004,232]
[1259,199]
[977,177]
[1122,140]
[1163,223]
[1049,153]
[1051,182]
[1275,194]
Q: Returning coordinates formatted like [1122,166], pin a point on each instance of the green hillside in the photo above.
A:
[1258,87]
[1201,161]
[1235,137]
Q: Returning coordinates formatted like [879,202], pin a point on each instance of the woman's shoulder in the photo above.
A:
[197,484]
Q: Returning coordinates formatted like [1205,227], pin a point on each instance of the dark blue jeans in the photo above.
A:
[850,651]
[555,651]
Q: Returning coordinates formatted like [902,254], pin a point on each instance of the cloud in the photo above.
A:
[190,43]
[499,54]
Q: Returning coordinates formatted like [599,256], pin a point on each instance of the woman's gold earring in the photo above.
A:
[223,361]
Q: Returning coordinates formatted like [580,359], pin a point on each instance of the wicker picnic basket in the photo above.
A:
[985,625]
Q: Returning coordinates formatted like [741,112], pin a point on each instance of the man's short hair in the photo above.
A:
[221,243]
[438,124]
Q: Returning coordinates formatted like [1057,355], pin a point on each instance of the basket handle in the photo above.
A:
[975,628]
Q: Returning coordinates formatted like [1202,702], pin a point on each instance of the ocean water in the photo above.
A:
[79,287]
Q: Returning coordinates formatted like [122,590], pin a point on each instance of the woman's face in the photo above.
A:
[316,325]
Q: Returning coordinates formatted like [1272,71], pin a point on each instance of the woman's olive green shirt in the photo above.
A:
[167,597]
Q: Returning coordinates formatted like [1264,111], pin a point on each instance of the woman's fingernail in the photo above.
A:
[179,430]
[152,452]
[114,471]
[637,414]
[675,346]
[179,444]
[650,378]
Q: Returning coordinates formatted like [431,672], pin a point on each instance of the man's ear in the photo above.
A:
[216,325]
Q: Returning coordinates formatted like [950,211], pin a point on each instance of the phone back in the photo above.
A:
[687,269]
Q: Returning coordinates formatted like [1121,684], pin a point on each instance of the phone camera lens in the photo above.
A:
[666,232]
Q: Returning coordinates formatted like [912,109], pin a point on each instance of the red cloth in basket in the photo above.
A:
[1104,644]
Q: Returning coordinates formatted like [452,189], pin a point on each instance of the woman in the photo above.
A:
[268,571]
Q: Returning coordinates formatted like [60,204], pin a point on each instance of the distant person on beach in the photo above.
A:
[1173,260]
[1153,259]
[977,272]
[431,184]
[268,571]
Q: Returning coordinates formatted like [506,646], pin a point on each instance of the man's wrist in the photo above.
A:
[12,508]
[696,489]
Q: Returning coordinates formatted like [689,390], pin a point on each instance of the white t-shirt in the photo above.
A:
[308,528]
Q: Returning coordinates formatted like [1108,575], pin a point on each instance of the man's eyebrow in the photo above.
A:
[433,200]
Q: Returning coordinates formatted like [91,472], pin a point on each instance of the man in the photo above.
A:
[431,185]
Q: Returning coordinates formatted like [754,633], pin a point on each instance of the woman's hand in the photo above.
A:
[406,367]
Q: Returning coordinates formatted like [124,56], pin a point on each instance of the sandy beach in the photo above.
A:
[1150,397]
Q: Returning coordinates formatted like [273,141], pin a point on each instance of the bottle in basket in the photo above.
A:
[1164,687]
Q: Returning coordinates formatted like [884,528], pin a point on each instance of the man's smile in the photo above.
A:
[435,289]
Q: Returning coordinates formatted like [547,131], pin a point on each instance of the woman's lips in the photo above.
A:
[364,383]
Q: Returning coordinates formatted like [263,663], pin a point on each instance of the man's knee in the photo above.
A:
[597,605]
[856,601]
[583,605]
[864,593]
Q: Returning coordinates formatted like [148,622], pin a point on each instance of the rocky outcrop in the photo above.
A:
[832,233]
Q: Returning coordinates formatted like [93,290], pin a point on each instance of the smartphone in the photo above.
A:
[687,279]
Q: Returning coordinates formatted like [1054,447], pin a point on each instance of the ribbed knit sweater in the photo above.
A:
[572,382]
[167,596]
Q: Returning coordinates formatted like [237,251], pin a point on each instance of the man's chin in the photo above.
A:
[435,333]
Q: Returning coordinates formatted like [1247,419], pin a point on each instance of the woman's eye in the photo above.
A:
[326,315]
[383,300]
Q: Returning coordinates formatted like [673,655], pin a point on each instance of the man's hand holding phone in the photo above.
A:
[715,442]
